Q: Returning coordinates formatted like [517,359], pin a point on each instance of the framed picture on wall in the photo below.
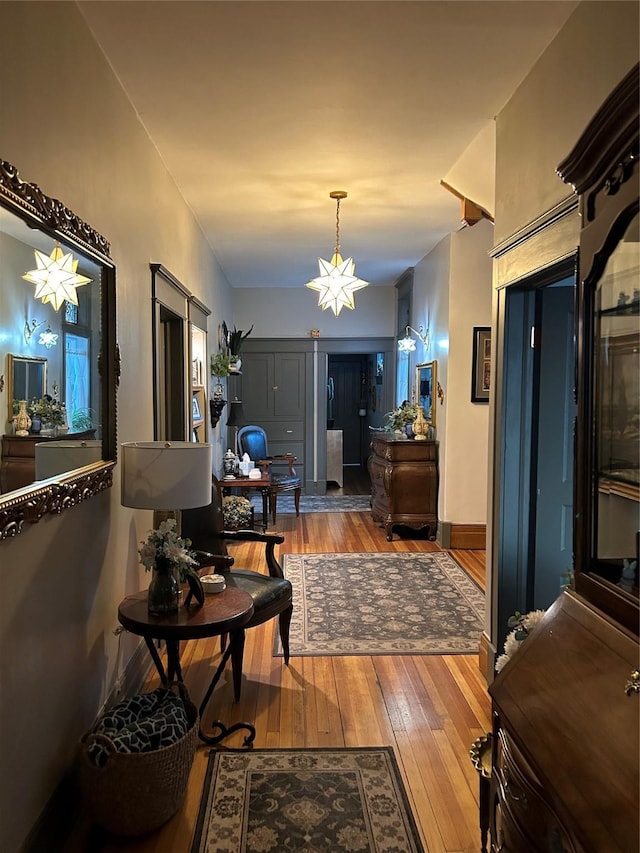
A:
[481,369]
[426,388]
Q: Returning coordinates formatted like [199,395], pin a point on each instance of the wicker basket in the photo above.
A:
[135,793]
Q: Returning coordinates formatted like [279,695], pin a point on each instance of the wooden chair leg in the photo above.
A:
[237,654]
[284,621]
[296,497]
[273,499]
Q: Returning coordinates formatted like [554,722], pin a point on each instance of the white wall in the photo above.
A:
[67,126]
[293,312]
[451,294]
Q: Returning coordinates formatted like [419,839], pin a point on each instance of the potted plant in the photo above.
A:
[233,340]
[399,418]
[220,367]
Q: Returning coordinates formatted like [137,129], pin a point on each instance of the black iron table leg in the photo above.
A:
[223,730]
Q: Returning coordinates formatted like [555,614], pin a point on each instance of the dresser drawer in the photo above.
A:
[522,802]
[284,431]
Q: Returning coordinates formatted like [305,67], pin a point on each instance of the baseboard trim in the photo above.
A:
[52,828]
[464,537]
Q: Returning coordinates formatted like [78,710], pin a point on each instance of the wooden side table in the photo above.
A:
[245,484]
[224,613]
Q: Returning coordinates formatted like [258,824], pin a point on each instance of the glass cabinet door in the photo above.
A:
[616,485]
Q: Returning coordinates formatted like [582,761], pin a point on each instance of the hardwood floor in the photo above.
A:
[429,708]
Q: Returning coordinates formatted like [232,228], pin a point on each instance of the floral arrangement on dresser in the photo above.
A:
[400,417]
[522,626]
[46,409]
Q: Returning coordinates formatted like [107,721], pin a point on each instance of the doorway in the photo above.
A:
[535,542]
[348,408]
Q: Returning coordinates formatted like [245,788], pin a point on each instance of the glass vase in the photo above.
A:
[163,591]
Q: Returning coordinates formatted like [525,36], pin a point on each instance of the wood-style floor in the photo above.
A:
[429,708]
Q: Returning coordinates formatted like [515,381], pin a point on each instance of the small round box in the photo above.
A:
[213,583]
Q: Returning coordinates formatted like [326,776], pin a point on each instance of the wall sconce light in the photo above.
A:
[47,338]
[408,344]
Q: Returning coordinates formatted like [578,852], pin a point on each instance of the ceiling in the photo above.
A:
[260,109]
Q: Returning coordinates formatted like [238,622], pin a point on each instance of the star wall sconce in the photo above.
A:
[408,344]
[47,338]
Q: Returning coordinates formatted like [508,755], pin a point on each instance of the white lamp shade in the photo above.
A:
[166,474]
[60,457]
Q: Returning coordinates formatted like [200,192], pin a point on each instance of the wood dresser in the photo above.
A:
[565,737]
[566,752]
[404,483]
[18,457]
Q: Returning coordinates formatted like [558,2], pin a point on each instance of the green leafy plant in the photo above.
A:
[46,409]
[220,365]
[234,338]
[82,419]
[399,417]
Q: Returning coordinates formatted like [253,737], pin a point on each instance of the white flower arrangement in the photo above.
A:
[165,544]
[522,627]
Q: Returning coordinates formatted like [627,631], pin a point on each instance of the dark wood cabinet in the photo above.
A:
[404,483]
[565,763]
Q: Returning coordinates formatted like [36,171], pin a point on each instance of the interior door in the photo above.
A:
[553,536]
[350,389]
[535,540]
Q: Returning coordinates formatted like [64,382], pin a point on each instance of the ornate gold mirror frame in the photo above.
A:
[29,504]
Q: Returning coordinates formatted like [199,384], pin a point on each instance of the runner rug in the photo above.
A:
[275,800]
[318,503]
[382,604]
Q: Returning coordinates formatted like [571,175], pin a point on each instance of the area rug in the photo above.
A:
[318,503]
[382,604]
[311,800]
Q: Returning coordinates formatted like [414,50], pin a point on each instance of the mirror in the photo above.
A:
[27,379]
[57,310]
[617,413]
[425,390]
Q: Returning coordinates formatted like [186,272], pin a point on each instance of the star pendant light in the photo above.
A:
[337,281]
[55,277]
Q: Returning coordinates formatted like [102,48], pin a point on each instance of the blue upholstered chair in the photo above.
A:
[253,441]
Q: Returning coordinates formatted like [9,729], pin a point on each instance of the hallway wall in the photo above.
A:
[67,126]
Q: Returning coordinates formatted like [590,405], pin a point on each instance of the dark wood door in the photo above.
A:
[350,388]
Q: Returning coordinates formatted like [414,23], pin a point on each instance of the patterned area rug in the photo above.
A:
[318,503]
[277,800]
[382,604]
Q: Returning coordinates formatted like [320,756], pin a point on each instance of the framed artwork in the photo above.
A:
[196,414]
[426,388]
[481,369]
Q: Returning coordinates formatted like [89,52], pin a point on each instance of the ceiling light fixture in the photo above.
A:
[337,281]
[408,344]
[55,277]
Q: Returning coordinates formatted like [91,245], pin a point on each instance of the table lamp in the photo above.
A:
[236,419]
[166,475]
[60,457]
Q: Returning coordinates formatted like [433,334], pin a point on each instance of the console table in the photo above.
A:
[223,613]
[404,483]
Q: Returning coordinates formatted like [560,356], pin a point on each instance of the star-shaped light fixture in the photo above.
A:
[337,281]
[55,277]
